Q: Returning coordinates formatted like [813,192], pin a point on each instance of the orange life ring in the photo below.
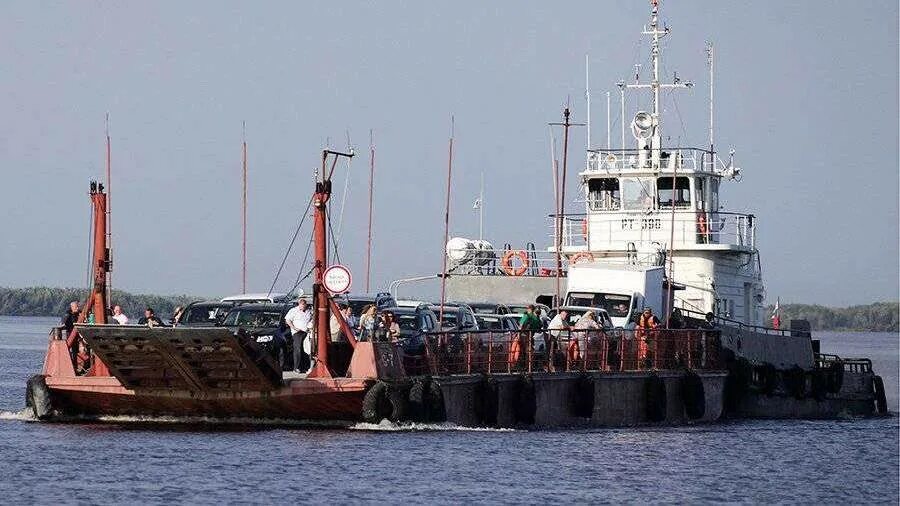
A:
[515,350]
[702,226]
[506,263]
[573,351]
[582,255]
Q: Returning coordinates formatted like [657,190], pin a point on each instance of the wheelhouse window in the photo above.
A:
[637,193]
[603,194]
[681,194]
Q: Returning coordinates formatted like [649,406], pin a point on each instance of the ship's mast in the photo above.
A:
[656,34]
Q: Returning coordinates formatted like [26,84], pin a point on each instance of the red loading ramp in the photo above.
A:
[181,358]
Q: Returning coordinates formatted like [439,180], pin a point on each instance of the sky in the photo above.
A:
[806,93]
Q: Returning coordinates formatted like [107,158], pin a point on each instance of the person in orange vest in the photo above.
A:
[647,323]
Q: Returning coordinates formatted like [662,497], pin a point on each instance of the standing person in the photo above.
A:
[558,327]
[529,323]
[119,316]
[150,319]
[588,326]
[391,327]
[367,322]
[176,315]
[347,311]
[645,332]
[69,319]
[299,319]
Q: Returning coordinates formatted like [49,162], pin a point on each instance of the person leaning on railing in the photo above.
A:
[529,323]
[559,326]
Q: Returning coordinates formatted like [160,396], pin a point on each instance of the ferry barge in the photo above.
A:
[648,209]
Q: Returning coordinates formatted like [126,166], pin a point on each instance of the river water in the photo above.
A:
[127,461]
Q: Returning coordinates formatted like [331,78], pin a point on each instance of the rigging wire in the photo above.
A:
[298,280]
[290,246]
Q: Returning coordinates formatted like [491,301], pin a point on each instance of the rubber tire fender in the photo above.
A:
[768,375]
[436,411]
[694,395]
[795,382]
[37,396]
[490,400]
[818,383]
[880,397]
[737,382]
[527,405]
[655,390]
[397,395]
[582,400]
[418,399]
[835,377]
[376,405]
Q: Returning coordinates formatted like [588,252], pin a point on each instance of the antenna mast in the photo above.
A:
[587,95]
[108,216]
[371,191]
[446,228]
[244,208]
[710,59]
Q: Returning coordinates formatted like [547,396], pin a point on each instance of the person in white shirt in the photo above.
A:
[119,316]
[558,327]
[299,319]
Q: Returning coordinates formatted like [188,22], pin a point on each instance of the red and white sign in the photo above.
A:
[337,279]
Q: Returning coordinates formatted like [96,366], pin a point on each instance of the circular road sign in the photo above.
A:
[337,279]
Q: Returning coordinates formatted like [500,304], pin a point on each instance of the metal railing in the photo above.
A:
[860,365]
[693,159]
[492,352]
[643,229]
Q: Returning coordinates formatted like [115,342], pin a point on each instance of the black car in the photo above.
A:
[204,313]
[457,317]
[264,324]
[358,302]
[414,324]
[488,308]
[498,323]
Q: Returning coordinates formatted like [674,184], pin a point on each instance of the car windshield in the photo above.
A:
[200,314]
[489,322]
[450,319]
[407,322]
[614,304]
[484,308]
[518,309]
[239,318]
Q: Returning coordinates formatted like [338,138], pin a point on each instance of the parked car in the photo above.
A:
[358,302]
[576,312]
[411,303]
[457,317]
[204,313]
[271,298]
[519,309]
[488,308]
[414,324]
[264,323]
[497,323]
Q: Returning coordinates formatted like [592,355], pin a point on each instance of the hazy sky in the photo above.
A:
[806,92]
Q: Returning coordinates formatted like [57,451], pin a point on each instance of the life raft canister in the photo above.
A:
[506,263]
[582,255]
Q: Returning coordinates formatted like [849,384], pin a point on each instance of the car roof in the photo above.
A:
[263,306]
[256,296]
[583,309]
[211,303]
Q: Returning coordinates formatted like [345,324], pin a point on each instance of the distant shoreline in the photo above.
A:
[50,301]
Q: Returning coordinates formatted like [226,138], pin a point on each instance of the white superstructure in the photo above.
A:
[659,204]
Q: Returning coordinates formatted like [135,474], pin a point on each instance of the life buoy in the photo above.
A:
[582,255]
[573,352]
[506,263]
[702,225]
[515,351]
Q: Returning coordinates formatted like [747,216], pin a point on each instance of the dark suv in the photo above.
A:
[264,324]
[488,308]
[204,314]
[358,302]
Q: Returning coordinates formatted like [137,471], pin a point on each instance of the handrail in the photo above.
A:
[728,322]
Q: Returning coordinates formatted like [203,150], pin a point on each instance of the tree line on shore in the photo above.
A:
[45,301]
[875,317]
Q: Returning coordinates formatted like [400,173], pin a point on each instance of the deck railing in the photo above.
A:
[494,352]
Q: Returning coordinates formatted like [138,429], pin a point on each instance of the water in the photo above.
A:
[127,461]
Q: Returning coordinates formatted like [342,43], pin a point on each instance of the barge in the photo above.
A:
[648,207]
